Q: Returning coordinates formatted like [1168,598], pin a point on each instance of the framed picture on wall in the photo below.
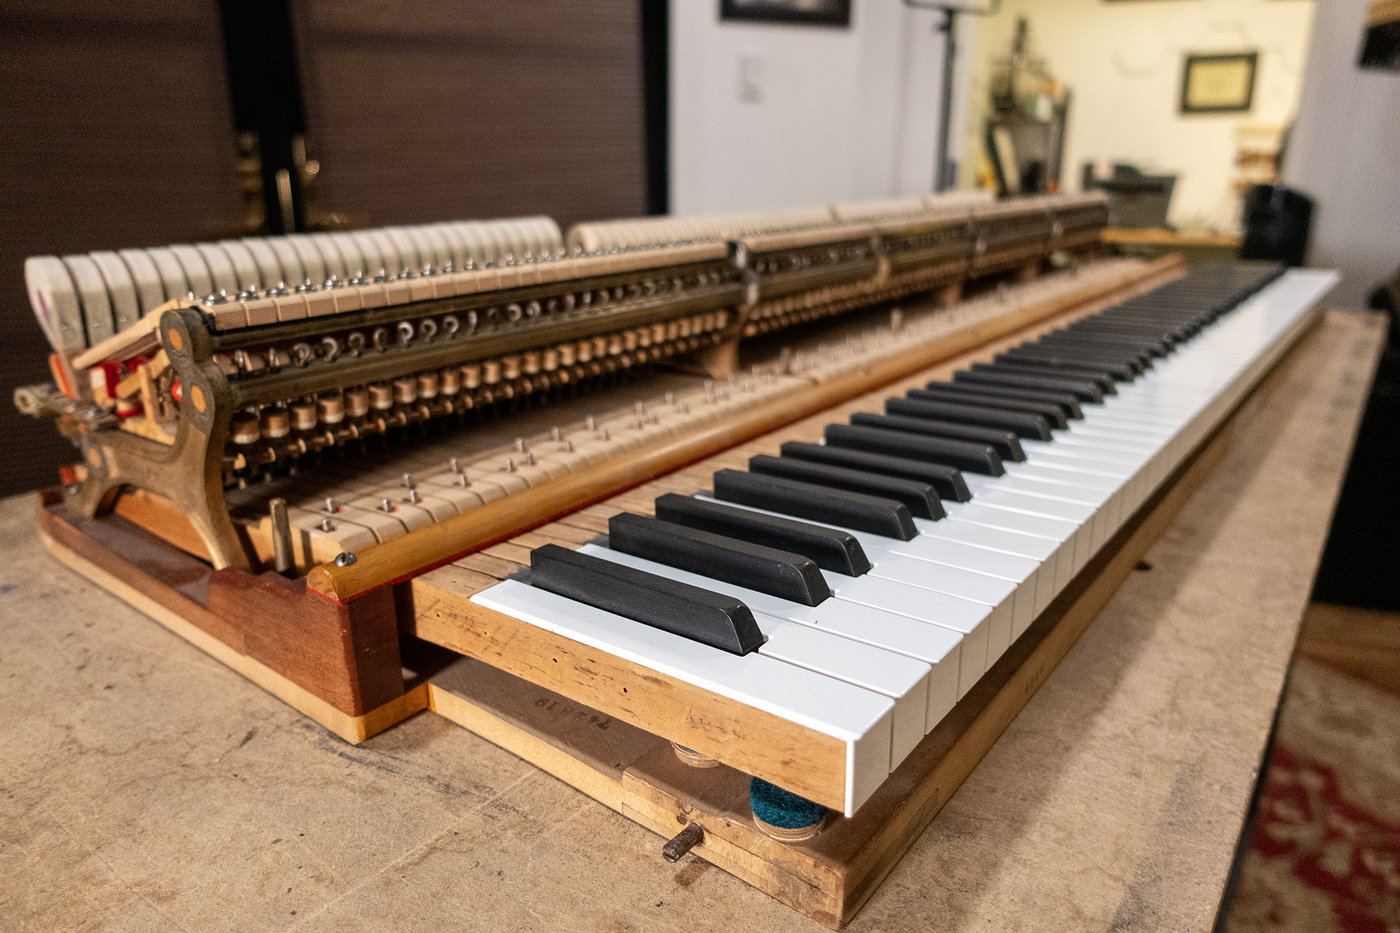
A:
[799,12]
[1218,83]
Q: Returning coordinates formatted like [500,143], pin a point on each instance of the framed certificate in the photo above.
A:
[799,12]
[1218,83]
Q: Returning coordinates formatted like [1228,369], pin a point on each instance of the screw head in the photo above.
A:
[344,559]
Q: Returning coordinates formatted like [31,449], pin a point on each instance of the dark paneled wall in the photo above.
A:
[440,110]
[118,132]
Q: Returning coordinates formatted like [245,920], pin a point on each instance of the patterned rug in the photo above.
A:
[1326,849]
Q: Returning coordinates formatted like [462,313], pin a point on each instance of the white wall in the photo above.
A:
[1123,62]
[1345,153]
[841,114]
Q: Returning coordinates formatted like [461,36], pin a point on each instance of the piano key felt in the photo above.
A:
[692,612]
[754,566]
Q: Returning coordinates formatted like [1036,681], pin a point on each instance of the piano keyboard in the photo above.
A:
[888,566]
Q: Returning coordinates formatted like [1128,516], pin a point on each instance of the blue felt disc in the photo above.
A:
[781,808]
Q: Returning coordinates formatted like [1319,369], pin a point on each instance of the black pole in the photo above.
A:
[943,170]
[656,105]
[261,57]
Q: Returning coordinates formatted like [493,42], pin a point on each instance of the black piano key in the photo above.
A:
[947,480]
[1022,424]
[1068,402]
[854,510]
[1054,415]
[921,499]
[1112,375]
[1105,383]
[829,548]
[752,566]
[1146,352]
[965,455]
[698,614]
[1123,369]
[1087,391]
[1005,443]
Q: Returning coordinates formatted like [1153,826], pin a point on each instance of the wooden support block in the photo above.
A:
[578,745]
[338,664]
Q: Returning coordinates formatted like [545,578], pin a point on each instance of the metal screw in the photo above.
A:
[344,559]
[684,841]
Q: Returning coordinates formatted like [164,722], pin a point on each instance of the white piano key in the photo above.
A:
[914,638]
[1102,502]
[903,680]
[861,718]
[997,594]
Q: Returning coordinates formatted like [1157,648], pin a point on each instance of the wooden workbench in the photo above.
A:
[145,786]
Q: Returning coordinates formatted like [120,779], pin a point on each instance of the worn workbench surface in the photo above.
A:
[144,786]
